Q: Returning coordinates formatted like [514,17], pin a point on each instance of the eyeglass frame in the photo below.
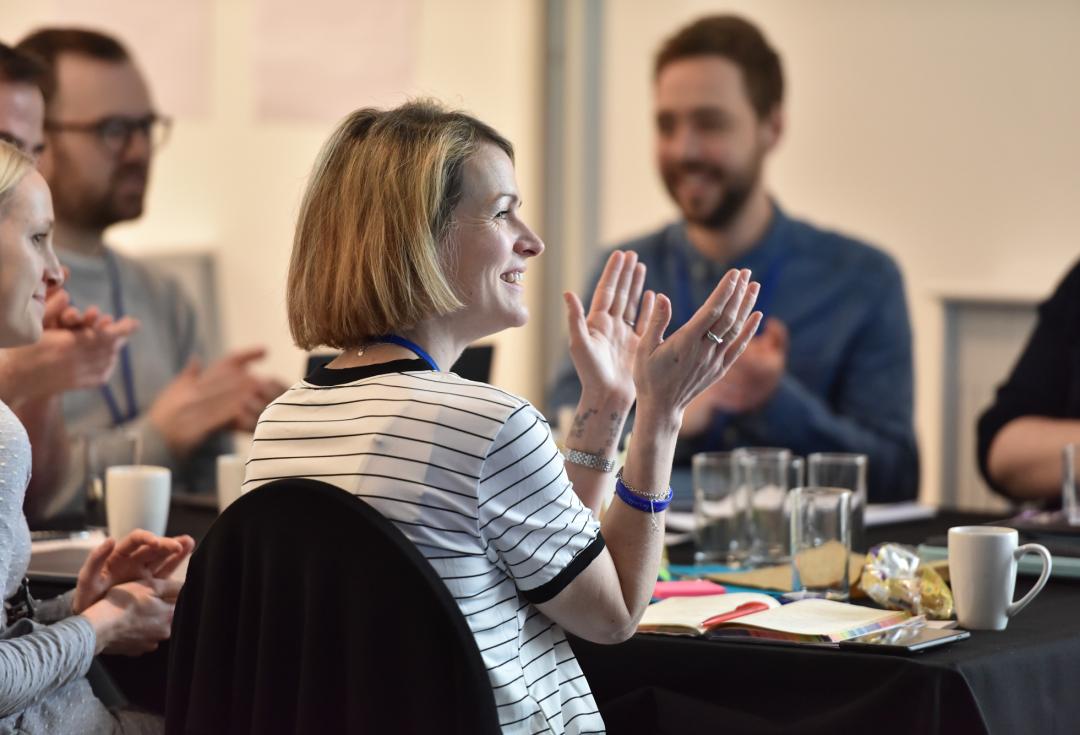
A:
[130,125]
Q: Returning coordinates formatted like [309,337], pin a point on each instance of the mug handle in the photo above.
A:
[1039,584]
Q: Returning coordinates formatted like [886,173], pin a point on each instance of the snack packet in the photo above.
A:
[894,578]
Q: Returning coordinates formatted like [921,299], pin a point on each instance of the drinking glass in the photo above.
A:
[721,510]
[1070,484]
[91,455]
[838,469]
[821,541]
[768,473]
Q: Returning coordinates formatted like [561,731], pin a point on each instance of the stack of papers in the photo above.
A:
[61,558]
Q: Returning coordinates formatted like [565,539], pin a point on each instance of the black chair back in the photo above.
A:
[306,611]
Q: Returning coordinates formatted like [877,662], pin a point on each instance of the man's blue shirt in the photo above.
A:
[848,386]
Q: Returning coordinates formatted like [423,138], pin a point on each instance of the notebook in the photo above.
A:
[807,621]
[685,615]
[812,621]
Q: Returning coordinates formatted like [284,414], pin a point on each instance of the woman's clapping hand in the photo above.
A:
[603,342]
[669,374]
[140,555]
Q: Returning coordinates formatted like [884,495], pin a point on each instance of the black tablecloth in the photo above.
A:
[1024,679]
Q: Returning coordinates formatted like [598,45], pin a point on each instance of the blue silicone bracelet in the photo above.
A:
[637,502]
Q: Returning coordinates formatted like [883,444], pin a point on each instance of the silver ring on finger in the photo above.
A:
[630,322]
[718,340]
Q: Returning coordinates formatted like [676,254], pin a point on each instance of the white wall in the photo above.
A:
[230,182]
[946,133]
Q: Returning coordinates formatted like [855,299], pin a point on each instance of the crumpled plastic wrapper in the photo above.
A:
[894,578]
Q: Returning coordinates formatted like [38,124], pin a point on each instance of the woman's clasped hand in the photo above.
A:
[126,590]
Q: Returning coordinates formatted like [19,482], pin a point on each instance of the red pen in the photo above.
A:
[744,609]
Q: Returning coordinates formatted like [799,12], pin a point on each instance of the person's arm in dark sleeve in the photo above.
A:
[1034,414]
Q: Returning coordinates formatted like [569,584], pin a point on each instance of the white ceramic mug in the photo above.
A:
[982,573]
[137,496]
[230,479]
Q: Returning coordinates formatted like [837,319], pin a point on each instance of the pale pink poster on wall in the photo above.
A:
[171,40]
[319,59]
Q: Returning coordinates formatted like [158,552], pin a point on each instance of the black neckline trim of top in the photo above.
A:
[325,376]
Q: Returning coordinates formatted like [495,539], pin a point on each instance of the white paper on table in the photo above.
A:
[882,514]
[679,527]
[64,556]
[679,521]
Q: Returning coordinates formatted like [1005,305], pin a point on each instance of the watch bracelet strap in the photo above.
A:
[592,461]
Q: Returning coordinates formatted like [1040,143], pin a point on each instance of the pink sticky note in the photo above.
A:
[687,588]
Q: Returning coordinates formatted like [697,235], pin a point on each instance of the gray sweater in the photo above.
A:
[43,686]
[168,337]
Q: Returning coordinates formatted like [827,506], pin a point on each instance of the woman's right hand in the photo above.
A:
[604,341]
[670,373]
[134,617]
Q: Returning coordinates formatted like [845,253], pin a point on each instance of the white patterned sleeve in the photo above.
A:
[532,522]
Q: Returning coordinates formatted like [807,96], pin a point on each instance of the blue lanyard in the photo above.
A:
[409,345]
[126,373]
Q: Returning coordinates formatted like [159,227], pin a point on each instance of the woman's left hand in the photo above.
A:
[140,555]
[604,342]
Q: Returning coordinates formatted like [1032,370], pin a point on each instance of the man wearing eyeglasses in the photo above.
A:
[22,101]
[79,347]
[101,132]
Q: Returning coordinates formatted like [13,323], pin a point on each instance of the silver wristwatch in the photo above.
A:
[592,461]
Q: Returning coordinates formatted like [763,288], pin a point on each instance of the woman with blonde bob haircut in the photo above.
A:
[366,258]
[123,600]
[410,245]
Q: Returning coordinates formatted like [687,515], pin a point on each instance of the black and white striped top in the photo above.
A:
[472,476]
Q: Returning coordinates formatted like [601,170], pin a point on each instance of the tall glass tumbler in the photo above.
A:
[837,469]
[90,456]
[1070,484]
[821,541]
[721,510]
[768,474]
